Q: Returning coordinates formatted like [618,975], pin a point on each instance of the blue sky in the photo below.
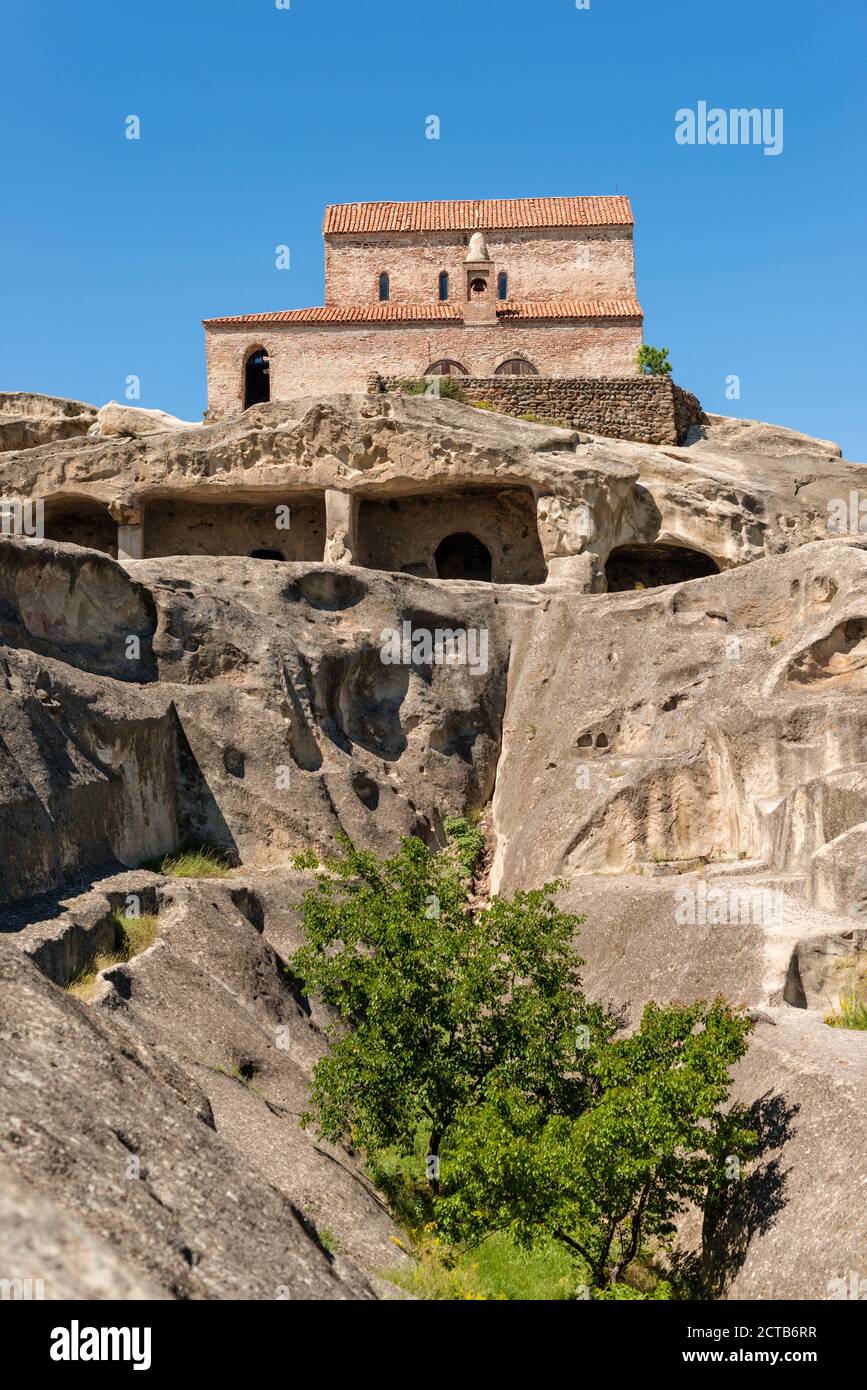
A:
[254,117]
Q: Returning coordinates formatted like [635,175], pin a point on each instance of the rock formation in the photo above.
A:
[686,756]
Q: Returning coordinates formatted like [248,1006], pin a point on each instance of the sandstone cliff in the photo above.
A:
[662,750]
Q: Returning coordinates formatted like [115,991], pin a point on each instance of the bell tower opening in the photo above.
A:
[481,304]
[257,378]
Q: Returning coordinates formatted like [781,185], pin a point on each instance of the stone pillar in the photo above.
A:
[341,542]
[130,529]
[566,528]
[130,542]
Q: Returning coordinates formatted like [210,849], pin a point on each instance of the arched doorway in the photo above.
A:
[257,378]
[649,566]
[463,556]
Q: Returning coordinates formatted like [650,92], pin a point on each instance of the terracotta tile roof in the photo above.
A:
[485,214]
[453,312]
[571,309]
[349,313]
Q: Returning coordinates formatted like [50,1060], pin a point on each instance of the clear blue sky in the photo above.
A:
[253,118]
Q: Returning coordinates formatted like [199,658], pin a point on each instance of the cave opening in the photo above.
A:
[81,521]
[463,556]
[650,566]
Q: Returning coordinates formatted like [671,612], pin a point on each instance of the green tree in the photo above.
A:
[610,1176]
[438,1001]
[653,361]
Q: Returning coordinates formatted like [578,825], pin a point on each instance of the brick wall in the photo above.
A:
[547,264]
[314,359]
[648,409]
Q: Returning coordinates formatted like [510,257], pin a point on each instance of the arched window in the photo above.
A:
[446,367]
[444,284]
[383,287]
[516,366]
[502,285]
[257,378]
[463,556]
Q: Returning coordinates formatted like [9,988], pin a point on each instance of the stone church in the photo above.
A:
[477,289]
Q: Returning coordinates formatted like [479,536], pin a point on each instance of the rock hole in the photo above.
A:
[233,761]
[366,790]
[327,590]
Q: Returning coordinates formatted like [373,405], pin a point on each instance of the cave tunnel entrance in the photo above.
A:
[649,566]
[489,534]
[264,529]
[463,556]
[82,522]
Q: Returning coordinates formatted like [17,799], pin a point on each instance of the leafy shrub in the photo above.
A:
[451,389]
[653,361]
[448,389]
[467,840]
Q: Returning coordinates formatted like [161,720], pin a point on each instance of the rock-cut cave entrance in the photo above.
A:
[463,556]
[81,521]
[649,566]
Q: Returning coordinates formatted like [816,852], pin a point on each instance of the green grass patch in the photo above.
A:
[852,1012]
[329,1241]
[495,1270]
[194,861]
[84,985]
[132,936]
[135,934]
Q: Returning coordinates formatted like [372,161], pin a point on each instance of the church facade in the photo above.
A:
[482,288]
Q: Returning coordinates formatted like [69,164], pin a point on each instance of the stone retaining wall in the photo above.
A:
[648,409]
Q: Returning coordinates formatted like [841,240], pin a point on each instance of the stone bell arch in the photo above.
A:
[481,298]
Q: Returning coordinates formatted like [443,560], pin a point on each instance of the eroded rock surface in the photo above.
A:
[347,464]
[28,419]
[688,759]
[117,1135]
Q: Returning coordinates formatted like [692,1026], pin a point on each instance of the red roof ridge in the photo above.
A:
[485,214]
[453,311]
[571,308]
